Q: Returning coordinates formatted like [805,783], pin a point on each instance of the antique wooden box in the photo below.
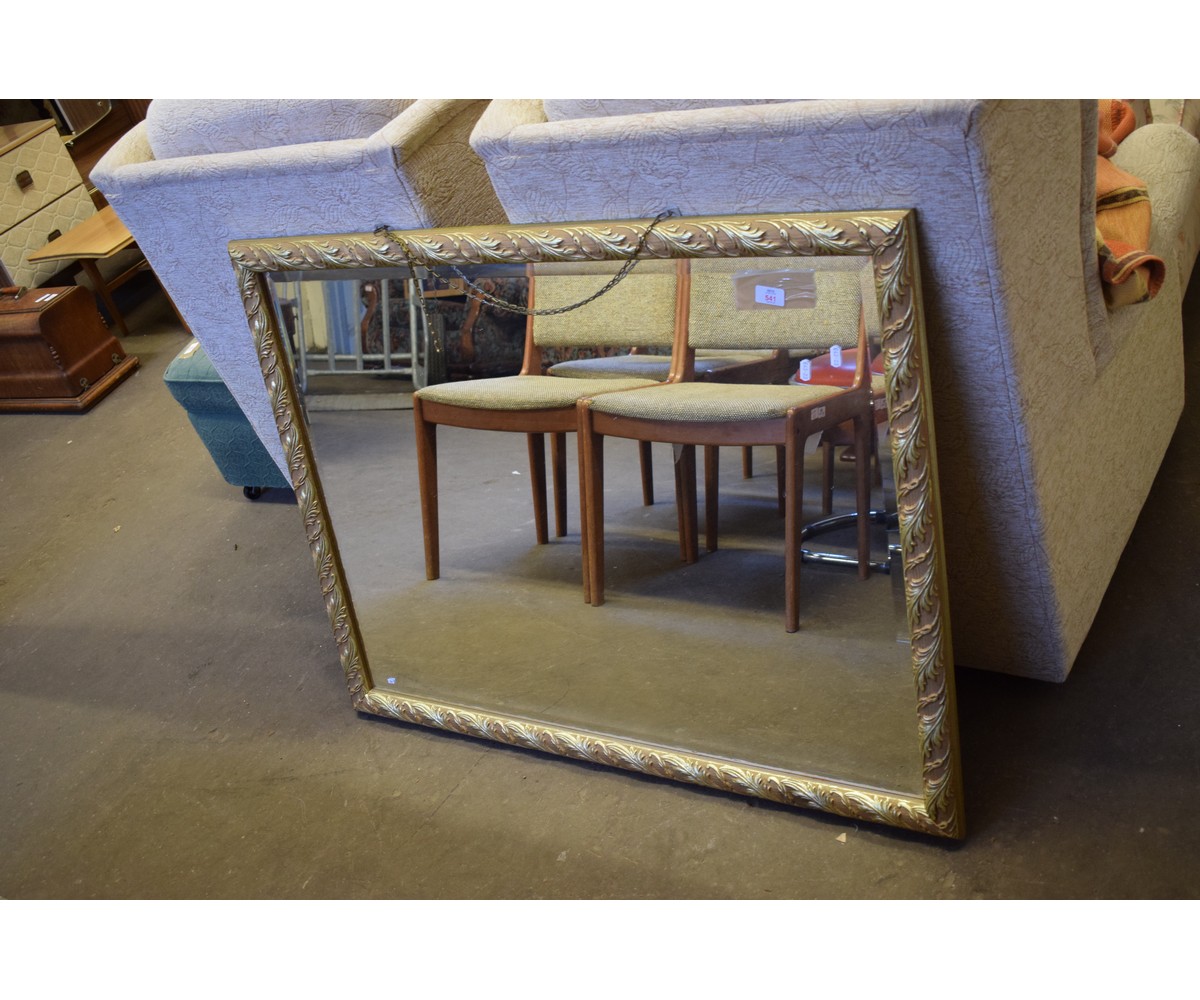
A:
[56,354]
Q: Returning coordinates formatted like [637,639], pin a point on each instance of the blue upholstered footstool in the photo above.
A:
[240,456]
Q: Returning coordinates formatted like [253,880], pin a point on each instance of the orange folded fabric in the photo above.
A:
[1128,271]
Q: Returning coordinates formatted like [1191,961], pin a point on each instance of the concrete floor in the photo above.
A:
[175,724]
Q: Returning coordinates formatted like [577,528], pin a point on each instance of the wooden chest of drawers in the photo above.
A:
[41,195]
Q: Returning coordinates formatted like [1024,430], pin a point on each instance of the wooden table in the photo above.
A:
[98,238]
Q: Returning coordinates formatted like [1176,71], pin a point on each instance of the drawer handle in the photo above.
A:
[24,179]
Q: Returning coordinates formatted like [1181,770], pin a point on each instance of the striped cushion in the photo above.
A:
[705,401]
[524,392]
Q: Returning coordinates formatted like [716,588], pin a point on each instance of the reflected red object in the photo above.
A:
[822,371]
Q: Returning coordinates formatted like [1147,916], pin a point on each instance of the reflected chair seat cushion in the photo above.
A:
[652,366]
[704,401]
[525,392]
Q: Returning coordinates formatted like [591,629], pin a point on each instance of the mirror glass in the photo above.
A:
[686,669]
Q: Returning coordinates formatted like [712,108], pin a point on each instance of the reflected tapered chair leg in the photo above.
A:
[712,492]
[585,532]
[558,462]
[877,469]
[593,470]
[793,512]
[647,465]
[679,505]
[537,482]
[862,468]
[427,478]
[685,502]
[827,451]
[780,476]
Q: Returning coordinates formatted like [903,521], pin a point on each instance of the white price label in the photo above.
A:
[817,413]
[805,370]
[835,356]
[767,296]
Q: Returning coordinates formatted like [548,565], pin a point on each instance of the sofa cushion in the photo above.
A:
[196,128]
[567,109]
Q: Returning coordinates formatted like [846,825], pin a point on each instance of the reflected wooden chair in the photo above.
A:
[710,366]
[819,370]
[688,413]
[642,308]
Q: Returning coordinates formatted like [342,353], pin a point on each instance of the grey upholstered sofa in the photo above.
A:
[1052,414]
[197,174]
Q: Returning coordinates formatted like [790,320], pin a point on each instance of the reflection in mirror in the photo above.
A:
[686,664]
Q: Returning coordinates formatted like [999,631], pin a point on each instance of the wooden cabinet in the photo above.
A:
[41,196]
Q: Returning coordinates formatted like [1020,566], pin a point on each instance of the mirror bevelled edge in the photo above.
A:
[889,239]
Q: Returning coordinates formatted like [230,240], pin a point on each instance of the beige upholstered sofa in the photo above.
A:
[197,174]
[1052,414]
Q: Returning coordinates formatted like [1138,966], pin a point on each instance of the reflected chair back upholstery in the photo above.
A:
[724,318]
[639,310]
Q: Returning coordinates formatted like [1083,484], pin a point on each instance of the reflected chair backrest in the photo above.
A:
[639,310]
[768,303]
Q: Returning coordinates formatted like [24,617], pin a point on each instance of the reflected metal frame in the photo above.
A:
[889,239]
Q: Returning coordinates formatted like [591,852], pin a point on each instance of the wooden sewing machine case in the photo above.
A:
[56,354]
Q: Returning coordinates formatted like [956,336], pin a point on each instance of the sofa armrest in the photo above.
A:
[421,123]
[431,147]
[127,175]
[131,149]
[499,120]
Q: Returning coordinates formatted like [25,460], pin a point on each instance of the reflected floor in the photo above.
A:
[687,657]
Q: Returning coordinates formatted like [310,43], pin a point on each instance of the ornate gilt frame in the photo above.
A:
[889,238]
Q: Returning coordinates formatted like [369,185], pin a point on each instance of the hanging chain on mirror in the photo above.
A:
[476,292]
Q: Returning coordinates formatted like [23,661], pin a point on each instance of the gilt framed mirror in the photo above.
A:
[686,671]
